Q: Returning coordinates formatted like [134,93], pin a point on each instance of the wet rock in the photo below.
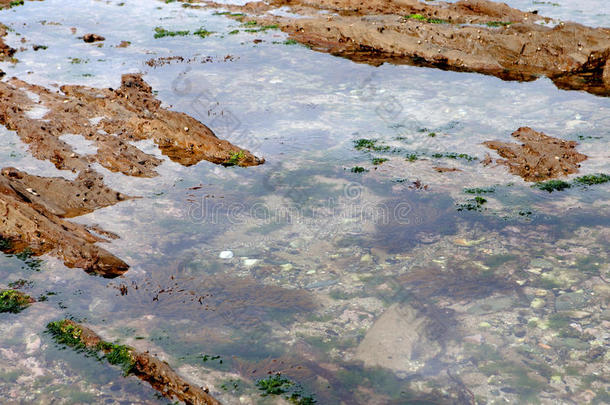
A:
[538,157]
[31,220]
[537,303]
[89,38]
[111,119]
[142,364]
[62,197]
[398,340]
[469,35]
[14,301]
[5,50]
[491,305]
[569,301]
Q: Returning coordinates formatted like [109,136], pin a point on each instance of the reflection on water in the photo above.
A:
[364,286]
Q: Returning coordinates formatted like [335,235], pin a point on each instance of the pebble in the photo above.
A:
[250,262]
[287,266]
[367,258]
[537,303]
[226,254]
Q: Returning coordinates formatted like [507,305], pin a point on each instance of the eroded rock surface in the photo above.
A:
[469,35]
[34,207]
[63,197]
[538,157]
[111,119]
[32,219]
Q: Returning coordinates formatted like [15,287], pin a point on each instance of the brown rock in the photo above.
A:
[5,50]
[538,157]
[110,118]
[150,369]
[93,38]
[507,43]
[32,220]
[62,197]
[398,340]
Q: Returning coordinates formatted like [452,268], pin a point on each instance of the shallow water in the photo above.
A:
[361,287]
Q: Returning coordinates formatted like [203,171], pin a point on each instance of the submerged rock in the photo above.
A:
[14,301]
[144,365]
[398,340]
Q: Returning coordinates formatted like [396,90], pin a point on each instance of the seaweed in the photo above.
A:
[66,333]
[162,32]
[203,33]
[14,301]
[235,159]
[370,144]
[592,179]
[552,185]
[358,169]
[278,385]
[420,17]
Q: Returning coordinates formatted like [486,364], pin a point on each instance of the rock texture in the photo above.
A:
[34,207]
[469,35]
[398,341]
[538,157]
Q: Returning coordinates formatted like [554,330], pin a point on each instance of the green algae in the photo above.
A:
[420,17]
[487,190]
[162,32]
[552,185]
[234,159]
[592,179]
[118,355]
[66,333]
[14,301]
[379,161]
[369,144]
[203,33]
[279,385]
[358,169]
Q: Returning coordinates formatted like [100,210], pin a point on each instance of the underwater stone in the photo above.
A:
[226,254]
[568,301]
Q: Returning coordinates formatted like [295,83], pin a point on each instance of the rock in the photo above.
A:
[569,301]
[226,254]
[570,343]
[398,341]
[537,303]
[93,38]
[513,46]
[250,262]
[367,258]
[474,339]
[537,157]
[490,305]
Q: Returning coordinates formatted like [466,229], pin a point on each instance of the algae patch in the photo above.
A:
[14,301]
